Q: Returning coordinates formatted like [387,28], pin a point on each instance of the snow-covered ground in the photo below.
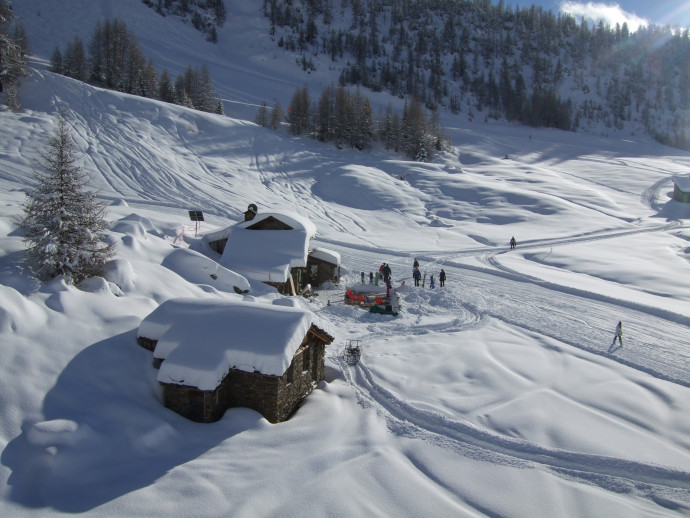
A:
[497,395]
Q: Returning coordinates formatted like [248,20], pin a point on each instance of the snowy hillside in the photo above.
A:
[499,394]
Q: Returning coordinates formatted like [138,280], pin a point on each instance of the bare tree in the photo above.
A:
[276,115]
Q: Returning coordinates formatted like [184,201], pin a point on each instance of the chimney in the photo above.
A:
[250,212]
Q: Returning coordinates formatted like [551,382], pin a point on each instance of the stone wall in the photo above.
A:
[274,397]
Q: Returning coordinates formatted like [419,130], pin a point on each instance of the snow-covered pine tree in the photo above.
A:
[63,222]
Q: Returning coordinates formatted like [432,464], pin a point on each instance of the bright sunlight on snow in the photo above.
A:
[500,394]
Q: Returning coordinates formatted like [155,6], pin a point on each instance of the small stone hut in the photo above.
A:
[214,355]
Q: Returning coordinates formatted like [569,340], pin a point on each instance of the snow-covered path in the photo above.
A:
[656,341]
[404,419]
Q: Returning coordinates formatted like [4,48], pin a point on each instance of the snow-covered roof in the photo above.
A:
[292,219]
[202,339]
[682,182]
[267,255]
[325,254]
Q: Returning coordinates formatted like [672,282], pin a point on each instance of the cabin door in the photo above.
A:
[196,406]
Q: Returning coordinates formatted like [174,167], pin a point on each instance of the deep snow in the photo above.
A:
[497,395]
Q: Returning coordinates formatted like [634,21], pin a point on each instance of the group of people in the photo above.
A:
[386,272]
[417,276]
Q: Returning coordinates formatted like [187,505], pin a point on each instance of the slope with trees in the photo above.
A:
[347,119]
[114,60]
[525,64]
[204,15]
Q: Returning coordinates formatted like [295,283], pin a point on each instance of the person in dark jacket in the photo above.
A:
[386,272]
[417,276]
[513,243]
[415,264]
[442,278]
[619,334]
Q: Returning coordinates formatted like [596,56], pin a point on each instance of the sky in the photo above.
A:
[500,394]
[634,12]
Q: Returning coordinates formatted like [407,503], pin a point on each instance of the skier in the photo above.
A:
[513,243]
[442,278]
[415,264]
[417,275]
[619,334]
[388,287]
[431,282]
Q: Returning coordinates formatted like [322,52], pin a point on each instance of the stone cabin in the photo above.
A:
[681,189]
[214,355]
[275,248]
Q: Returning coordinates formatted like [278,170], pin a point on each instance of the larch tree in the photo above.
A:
[276,115]
[64,224]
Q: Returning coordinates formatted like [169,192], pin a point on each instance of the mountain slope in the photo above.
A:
[498,395]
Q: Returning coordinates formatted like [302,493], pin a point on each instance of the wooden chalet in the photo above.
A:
[275,248]
[214,355]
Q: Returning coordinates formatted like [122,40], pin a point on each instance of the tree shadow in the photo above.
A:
[106,432]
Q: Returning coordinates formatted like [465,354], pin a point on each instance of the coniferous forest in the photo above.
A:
[527,65]
[114,60]
[475,58]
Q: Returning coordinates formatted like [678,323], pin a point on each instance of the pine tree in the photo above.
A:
[150,80]
[262,116]
[56,61]
[63,223]
[208,101]
[166,88]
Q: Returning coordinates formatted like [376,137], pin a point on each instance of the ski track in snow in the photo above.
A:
[657,343]
[543,308]
[662,484]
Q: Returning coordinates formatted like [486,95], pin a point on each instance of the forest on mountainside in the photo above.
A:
[204,15]
[483,60]
[114,60]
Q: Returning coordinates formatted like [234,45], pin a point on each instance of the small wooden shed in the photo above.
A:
[215,355]
[323,266]
[681,189]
